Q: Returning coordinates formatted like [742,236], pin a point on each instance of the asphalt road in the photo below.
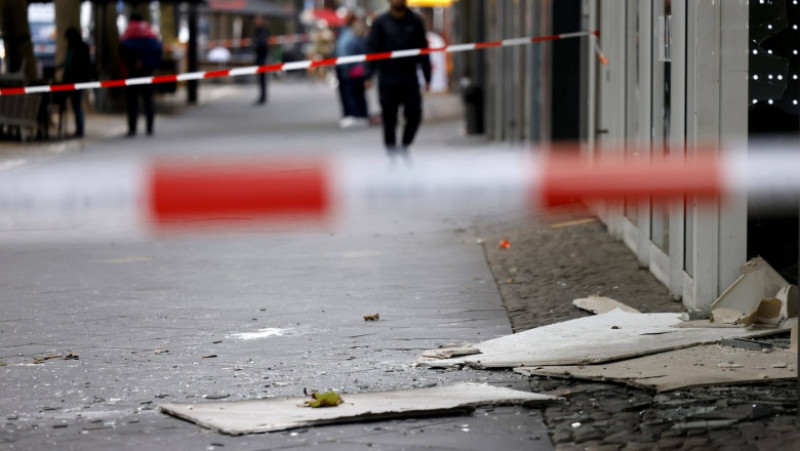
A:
[145,315]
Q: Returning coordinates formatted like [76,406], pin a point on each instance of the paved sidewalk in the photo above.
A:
[142,316]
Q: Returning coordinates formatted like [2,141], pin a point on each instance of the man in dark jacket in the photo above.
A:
[261,46]
[141,55]
[399,29]
[77,69]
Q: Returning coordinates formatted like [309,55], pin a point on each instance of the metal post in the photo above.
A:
[192,53]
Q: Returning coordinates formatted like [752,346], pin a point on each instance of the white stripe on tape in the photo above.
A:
[351,59]
[89,85]
[191,76]
[460,48]
[575,34]
[513,42]
[472,182]
[406,53]
[37,89]
[139,81]
[297,65]
[250,70]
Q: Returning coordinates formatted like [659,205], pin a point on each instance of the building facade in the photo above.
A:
[677,83]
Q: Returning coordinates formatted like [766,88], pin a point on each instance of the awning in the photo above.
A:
[245,8]
[430,3]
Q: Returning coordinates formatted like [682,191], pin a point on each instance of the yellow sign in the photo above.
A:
[430,3]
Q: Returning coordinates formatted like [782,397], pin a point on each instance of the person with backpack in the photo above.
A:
[141,56]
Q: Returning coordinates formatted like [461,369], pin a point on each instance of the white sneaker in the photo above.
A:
[347,122]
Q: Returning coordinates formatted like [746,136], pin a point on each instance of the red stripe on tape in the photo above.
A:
[486,45]
[113,83]
[269,68]
[165,78]
[11,91]
[430,50]
[185,193]
[217,73]
[324,62]
[64,87]
[567,179]
[545,38]
[379,56]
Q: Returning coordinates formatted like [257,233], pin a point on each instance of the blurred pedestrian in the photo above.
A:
[141,56]
[352,41]
[261,47]
[77,69]
[398,85]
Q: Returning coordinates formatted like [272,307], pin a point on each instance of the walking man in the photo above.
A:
[261,47]
[398,85]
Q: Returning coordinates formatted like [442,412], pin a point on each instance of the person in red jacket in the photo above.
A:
[141,55]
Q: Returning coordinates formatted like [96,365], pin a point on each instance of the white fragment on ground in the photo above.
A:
[759,296]
[260,333]
[601,304]
[729,365]
[593,339]
[270,415]
[448,352]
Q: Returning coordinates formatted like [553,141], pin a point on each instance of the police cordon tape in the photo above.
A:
[172,193]
[295,65]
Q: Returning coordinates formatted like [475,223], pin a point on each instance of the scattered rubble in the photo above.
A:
[40,360]
[600,304]
[450,351]
[270,415]
[683,368]
[373,317]
[759,296]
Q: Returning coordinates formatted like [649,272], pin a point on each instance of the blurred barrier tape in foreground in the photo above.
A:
[165,194]
[296,65]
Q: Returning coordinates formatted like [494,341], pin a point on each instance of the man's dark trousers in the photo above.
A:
[392,97]
[263,88]
[133,94]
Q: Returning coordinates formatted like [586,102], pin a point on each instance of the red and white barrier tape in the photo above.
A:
[168,194]
[296,65]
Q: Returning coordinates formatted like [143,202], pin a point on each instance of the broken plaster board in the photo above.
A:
[271,415]
[601,304]
[758,281]
[613,336]
[684,368]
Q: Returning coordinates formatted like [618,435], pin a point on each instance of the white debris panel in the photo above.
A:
[612,336]
[271,415]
